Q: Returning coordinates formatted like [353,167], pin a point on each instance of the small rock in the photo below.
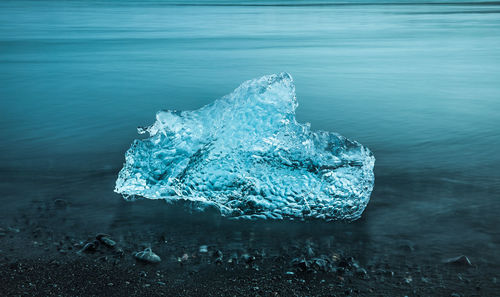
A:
[89,247]
[218,257]
[233,258]
[301,263]
[103,258]
[310,251]
[161,283]
[319,264]
[247,258]
[203,249]
[60,203]
[408,279]
[119,252]
[12,229]
[459,261]
[147,256]
[289,273]
[108,242]
[99,236]
[362,273]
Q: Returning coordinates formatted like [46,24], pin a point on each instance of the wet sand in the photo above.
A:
[43,235]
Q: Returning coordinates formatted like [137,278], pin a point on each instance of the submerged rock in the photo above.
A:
[89,247]
[218,257]
[60,203]
[106,240]
[247,155]
[459,261]
[147,256]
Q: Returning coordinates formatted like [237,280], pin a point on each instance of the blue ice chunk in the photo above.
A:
[248,156]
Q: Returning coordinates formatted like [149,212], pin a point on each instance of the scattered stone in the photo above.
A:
[12,229]
[119,252]
[233,258]
[89,247]
[248,259]
[323,263]
[362,273]
[408,279]
[320,264]
[99,236]
[108,242]
[147,256]
[289,273]
[203,249]
[60,203]
[161,283]
[184,257]
[458,261]
[218,257]
[310,251]
[103,258]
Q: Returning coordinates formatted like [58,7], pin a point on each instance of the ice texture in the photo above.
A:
[247,155]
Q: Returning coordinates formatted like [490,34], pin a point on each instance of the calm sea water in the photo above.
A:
[418,83]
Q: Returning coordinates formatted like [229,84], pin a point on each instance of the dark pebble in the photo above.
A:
[147,256]
[108,242]
[90,247]
[60,203]
[459,261]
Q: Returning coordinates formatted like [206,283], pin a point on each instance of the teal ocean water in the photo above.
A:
[416,82]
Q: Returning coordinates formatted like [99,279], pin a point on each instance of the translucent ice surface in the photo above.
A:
[247,155]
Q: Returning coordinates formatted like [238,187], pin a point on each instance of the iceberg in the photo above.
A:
[246,154]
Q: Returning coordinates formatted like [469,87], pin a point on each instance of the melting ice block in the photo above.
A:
[248,156]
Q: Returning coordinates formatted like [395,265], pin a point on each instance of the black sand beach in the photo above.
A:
[42,251]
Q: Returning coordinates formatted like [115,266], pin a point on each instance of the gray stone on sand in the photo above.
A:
[459,261]
[147,256]
[108,242]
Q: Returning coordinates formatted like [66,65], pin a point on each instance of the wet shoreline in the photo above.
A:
[205,254]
